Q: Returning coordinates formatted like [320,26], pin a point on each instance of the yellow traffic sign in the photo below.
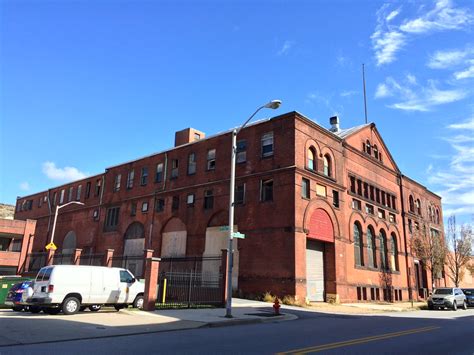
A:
[51,246]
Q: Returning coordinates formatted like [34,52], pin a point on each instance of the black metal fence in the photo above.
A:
[36,261]
[63,259]
[190,282]
[92,259]
[134,263]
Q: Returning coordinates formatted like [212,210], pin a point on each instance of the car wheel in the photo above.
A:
[464,305]
[71,305]
[455,306]
[118,307]
[35,309]
[95,307]
[17,308]
[430,307]
[138,303]
[52,311]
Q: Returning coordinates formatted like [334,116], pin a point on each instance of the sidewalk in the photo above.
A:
[18,328]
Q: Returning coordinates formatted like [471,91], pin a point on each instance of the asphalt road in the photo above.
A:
[423,332]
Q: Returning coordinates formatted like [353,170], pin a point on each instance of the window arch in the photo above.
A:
[383,249]
[412,204]
[327,165]
[311,158]
[418,206]
[376,152]
[393,252]
[358,246]
[371,248]
[368,148]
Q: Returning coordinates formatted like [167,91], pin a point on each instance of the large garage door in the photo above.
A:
[315,270]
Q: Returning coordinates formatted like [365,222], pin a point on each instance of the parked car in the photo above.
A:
[68,288]
[469,292]
[447,297]
[14,295]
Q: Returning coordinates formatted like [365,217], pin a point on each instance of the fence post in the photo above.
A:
[147,254]
[224,275]
[151,281]
[50,257]
[108,257]
[76,256]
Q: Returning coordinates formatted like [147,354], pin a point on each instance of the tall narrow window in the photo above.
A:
[144,176]
[111,219]
[211,159]
[145,206]
[412,204]
[98,187]
[61,197]
[353,184]
[359,187]
[78,193]
[266,190]
[311,159]
[190,200]
[191,163]
[383,249]
[368,148]
[241,151]
[175,203]
[88,189]
[208,199]
[327,165]
[376,152]
[267,144]
[239,194]
[70,193]
[159,172]
[133,209]
[54,198]
[371,249]
[305,188]
[117,181]
[393,252]
[358,249]
[174,168]
[130,177]
[418,206]
[159,205]
[335,198]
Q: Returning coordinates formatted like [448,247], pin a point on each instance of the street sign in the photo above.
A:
[224,228]
[238,235]
[51,246]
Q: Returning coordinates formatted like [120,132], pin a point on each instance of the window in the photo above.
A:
[117,182]
[356,205]
[239,194]
[191,164]
[389,201]
[266,190]
[88,189]
[197,136]
[40,201]
[358,250]
[174,168]
[311,160]
[393,252]
[412,204]
[78,193]
[111,219]
[381,213]
[383,198]
[133,209]
[70,193]
[376,152]
[130,177]
[366,190]
[267,144]
[371,248]
[208,199]
[437,216]
[61,197]
[190,200]
[391,218]
[145,206]
[159,205]
[54,198]
[368,149]
[394,205]
[359,187]
[369,209]
[175,203]
[353,184]
[241,151]
[211,159]
[410,226]
[159,172]
[125,277]
[144,176]
[418,206]
[98,186]
[377,195]
[372,192]
[383,249]
[335,198]
[327,165]
[305,188]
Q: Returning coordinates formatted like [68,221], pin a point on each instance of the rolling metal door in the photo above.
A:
[315,270]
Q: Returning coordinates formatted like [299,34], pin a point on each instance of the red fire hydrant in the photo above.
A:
[276,306]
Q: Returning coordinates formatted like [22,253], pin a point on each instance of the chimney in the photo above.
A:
[187,135]
[334,121]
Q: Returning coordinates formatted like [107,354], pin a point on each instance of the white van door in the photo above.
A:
[111,288]
[126,281]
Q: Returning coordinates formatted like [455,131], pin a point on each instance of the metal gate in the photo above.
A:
[190,282]
[314,270]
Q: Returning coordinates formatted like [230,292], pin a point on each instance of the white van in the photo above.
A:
[73,287]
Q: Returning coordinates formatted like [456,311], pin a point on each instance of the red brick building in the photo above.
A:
[327,214]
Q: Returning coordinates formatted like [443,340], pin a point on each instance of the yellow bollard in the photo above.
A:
[163,299]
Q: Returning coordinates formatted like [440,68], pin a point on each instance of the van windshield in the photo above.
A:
[44,274]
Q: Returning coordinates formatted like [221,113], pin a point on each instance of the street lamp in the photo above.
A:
[274,104]
[56,215]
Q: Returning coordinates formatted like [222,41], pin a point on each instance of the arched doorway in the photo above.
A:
[69,246]
[134,245]
[319,255]
[174,239]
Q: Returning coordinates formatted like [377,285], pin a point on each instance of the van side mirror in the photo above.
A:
[133,280]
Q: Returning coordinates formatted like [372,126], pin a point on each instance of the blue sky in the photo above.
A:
[88,84]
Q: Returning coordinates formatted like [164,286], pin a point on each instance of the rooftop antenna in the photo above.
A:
[365,96]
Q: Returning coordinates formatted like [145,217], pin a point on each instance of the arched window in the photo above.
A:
[311,160]
[418,206]
[368,148]
[393,252]
[358,246]
[383,249]
[327,165]
[371,248]
[437,216]
[412,204]
[376,152]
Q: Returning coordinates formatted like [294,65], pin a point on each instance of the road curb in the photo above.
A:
[244,321]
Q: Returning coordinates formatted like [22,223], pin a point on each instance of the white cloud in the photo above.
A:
[411,79]
[25,186]
[285,48]
[392,15]
[349,93]
[382,91]
[469,125]
[386,45]
[447,59]
[62,174]
[467,73]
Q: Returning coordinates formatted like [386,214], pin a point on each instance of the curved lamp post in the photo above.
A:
[56,215]
[274,104]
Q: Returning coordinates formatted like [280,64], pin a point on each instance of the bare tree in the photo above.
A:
[459,247]
[430,249]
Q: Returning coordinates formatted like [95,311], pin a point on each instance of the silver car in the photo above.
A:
[449,297]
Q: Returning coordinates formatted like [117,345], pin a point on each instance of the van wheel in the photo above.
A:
[71,305]
[95,307]
[52,311]
[455,306]
[35,309]
[118,307]
[17,308]
[138,303]
[464,305]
